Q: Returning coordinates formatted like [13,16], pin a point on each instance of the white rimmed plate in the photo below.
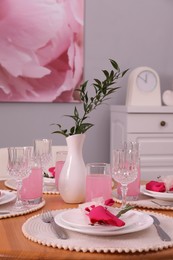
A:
[77,218]
[47,189]
[7,196]
[2,194]
[49,181]
[143,221]
[158,195]
[11,183]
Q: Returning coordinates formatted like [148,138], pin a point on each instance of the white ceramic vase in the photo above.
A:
[72,178]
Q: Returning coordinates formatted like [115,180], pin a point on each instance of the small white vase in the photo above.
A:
[72,178]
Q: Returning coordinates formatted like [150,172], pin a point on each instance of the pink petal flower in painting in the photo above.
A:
[41,50]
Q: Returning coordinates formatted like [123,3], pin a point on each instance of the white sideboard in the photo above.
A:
[152,127]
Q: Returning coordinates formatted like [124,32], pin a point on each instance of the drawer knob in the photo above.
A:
[162,123]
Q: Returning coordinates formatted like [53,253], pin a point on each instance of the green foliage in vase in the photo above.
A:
[103,90]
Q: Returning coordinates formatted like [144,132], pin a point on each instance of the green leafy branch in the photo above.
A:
[103,89]
[123,211]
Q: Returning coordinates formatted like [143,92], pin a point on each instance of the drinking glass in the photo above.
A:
[98,181]
[124,168]
[32,186]
[60,160]
[19,166]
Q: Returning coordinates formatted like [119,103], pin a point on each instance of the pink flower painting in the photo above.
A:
[41,50]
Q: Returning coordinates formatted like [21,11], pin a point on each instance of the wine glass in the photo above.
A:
[43,156]
[43,152]
[19,166]
[125,167]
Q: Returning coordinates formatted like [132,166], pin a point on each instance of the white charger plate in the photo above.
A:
[142,221]
[77,218]
[7,196]
[157,195]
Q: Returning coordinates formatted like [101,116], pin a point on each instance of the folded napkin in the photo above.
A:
[101,215]
[168,181]
[156,186]
[52,171]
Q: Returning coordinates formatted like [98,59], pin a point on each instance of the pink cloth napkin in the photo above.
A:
[101,215]
[156,186]
[52,171]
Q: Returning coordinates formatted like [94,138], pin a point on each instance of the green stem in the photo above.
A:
[127,208]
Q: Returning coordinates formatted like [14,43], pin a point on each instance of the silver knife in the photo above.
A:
[4,212]
[162,203]
[162,234]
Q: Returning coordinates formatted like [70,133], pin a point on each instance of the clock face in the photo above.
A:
[146,81]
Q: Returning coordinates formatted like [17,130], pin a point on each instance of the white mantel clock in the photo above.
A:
[143,87]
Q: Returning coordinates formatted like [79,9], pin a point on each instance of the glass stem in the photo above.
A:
[19,186]
[124,189]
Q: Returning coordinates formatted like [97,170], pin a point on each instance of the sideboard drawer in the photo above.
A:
[150,123]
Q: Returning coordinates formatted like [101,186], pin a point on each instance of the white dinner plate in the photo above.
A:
[49,181]
[51,189]
[77,218]
[142,221]
[7,196]
[158,195]
[2,194]
[11,183]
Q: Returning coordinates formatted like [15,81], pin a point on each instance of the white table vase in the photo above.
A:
[72,178]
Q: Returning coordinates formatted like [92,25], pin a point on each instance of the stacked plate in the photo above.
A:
[49,181]
[168,196]
[76,220]
[6,196]
[48,187]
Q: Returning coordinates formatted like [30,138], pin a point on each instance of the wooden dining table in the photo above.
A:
[14,245]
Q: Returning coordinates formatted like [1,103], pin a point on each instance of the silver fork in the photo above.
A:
[47,217]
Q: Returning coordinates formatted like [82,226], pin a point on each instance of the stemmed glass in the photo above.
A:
[125,167]
[43,153]
[19,166]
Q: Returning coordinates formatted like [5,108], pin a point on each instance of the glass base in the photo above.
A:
[19,206]
[32,201]
[128,198]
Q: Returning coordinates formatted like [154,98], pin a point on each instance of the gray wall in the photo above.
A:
[133,32]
